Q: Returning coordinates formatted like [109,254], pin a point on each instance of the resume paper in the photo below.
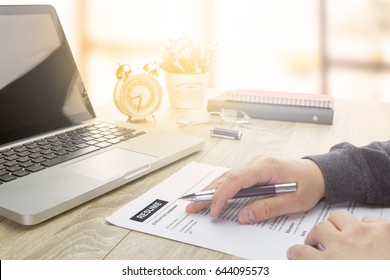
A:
[160,212]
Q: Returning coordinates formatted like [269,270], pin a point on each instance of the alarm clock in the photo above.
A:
[138,93]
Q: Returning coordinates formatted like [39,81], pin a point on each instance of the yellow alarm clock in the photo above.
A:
[138,93]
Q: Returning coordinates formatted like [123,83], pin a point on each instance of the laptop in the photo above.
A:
[54,153]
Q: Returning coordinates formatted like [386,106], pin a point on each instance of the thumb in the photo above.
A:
[264,209]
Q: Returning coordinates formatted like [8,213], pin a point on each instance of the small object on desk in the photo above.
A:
[136,103]
[257,190]
[225,133]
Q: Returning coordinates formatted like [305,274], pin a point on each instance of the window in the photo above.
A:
[357,49]
[312,46]
[259,44]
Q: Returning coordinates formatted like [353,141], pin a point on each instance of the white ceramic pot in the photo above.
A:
[186,90]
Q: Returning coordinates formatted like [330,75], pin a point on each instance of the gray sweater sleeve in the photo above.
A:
[359,174]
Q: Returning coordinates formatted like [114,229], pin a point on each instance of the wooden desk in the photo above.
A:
[83,233]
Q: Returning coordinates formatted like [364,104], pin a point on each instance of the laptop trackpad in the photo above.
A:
[111,164]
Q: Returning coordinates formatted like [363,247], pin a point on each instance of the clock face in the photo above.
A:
[138,95]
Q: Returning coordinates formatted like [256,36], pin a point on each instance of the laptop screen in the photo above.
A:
[40,87]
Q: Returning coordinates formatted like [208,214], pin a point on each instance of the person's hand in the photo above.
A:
[267,170]
[343,236]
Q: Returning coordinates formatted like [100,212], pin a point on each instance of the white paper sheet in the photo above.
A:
[161,212]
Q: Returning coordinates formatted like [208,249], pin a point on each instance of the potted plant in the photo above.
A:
[186,65]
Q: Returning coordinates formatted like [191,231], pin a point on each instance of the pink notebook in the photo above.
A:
[280,98]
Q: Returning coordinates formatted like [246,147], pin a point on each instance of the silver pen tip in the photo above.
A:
[188,197]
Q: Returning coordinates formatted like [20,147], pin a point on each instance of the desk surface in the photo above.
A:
[83,233]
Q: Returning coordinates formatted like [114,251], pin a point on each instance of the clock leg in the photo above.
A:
[132,119]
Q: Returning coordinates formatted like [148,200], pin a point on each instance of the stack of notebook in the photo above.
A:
[296,107]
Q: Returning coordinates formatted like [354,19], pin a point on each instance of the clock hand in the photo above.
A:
[139,102]
[135,97]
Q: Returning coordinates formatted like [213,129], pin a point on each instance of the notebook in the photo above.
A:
[280,98]
[54,153]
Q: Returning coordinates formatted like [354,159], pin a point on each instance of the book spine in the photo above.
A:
[275,112]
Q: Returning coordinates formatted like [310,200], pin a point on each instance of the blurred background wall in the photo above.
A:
[332,47]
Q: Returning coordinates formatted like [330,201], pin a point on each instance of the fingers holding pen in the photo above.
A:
[227,186]
[234,181]
[225,190]
[197,206]
[265,208]
[310,189]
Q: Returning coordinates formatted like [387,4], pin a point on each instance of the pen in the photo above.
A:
[257,190]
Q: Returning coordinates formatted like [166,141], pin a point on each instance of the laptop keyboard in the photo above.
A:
[37,155]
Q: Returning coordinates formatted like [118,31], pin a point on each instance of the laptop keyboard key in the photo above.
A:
[14,168]
[21,173]
[35,168]
[103,144]
[26,164]
[8,177]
